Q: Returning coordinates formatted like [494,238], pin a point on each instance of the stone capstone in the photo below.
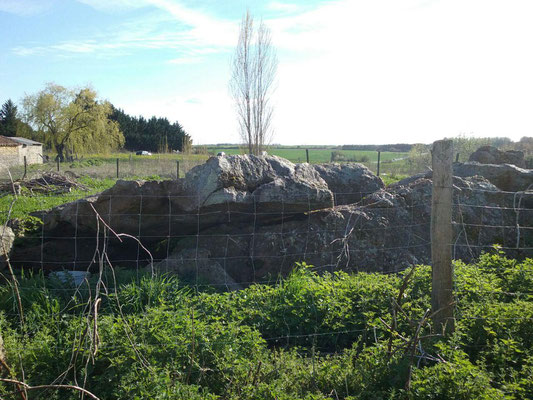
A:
[492,155]
[349,182]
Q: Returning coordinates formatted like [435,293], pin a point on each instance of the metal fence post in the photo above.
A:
[307,155]
[117,168]
[441,237]
[177,169]
[379,159]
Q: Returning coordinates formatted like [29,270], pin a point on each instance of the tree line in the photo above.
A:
[154,134]
[72,122]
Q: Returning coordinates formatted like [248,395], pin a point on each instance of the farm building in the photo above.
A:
[14,149]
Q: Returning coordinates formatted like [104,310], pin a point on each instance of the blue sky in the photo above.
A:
[350,71]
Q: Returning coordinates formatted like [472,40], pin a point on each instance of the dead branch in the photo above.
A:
[48,183]
[39,387]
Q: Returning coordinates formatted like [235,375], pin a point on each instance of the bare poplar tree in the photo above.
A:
[254,67]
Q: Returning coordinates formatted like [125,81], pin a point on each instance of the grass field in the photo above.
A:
[164,166]
[316,155]
[102,166]
[21,206]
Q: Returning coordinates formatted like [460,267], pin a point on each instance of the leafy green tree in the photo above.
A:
[9,120]
[419,159]
[72,121]
[525,144]
[466,145]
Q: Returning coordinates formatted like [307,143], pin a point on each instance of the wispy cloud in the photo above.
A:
[192,34]
[25,7]
[115,5]
[205,29]
[283,7]
[105,46]
[170,25]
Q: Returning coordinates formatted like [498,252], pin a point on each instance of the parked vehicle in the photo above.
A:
[143,153]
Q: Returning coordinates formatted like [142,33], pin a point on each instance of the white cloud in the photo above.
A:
[283,7]
[208,117]
[193,34]
[205,30]
[404,71]
[115,5]
[185,60]
[25,7]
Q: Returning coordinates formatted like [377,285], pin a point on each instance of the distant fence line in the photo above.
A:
[116,168]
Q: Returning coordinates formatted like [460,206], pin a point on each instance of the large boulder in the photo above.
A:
[226,189]
[506,177]
[251,187]
[386,232]
[131,207]
[266,183]
[349,182]
[492,155]
[7,238]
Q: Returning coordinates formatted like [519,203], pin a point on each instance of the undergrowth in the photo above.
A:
[334,336]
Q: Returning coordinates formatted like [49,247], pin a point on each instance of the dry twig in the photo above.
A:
[39,387]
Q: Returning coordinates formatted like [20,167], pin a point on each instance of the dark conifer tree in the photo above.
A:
[142,134]
[8,119]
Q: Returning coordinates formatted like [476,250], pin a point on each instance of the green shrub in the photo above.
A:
[309,336]
[456,379]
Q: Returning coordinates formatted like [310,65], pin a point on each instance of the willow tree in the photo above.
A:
[254,67]
[72,121]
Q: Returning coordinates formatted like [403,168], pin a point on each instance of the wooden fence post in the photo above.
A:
[307,155]
[57,159]
[379,159]
[177,169]
[441,237]
[117,168]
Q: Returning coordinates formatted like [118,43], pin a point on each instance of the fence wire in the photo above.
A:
[223,246]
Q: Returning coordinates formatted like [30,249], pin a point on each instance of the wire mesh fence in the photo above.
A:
[246,253]
[253,240]
[124,167]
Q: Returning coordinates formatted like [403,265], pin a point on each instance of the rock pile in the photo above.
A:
[242,219]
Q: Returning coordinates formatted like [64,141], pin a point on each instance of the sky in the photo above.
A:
[350,71]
